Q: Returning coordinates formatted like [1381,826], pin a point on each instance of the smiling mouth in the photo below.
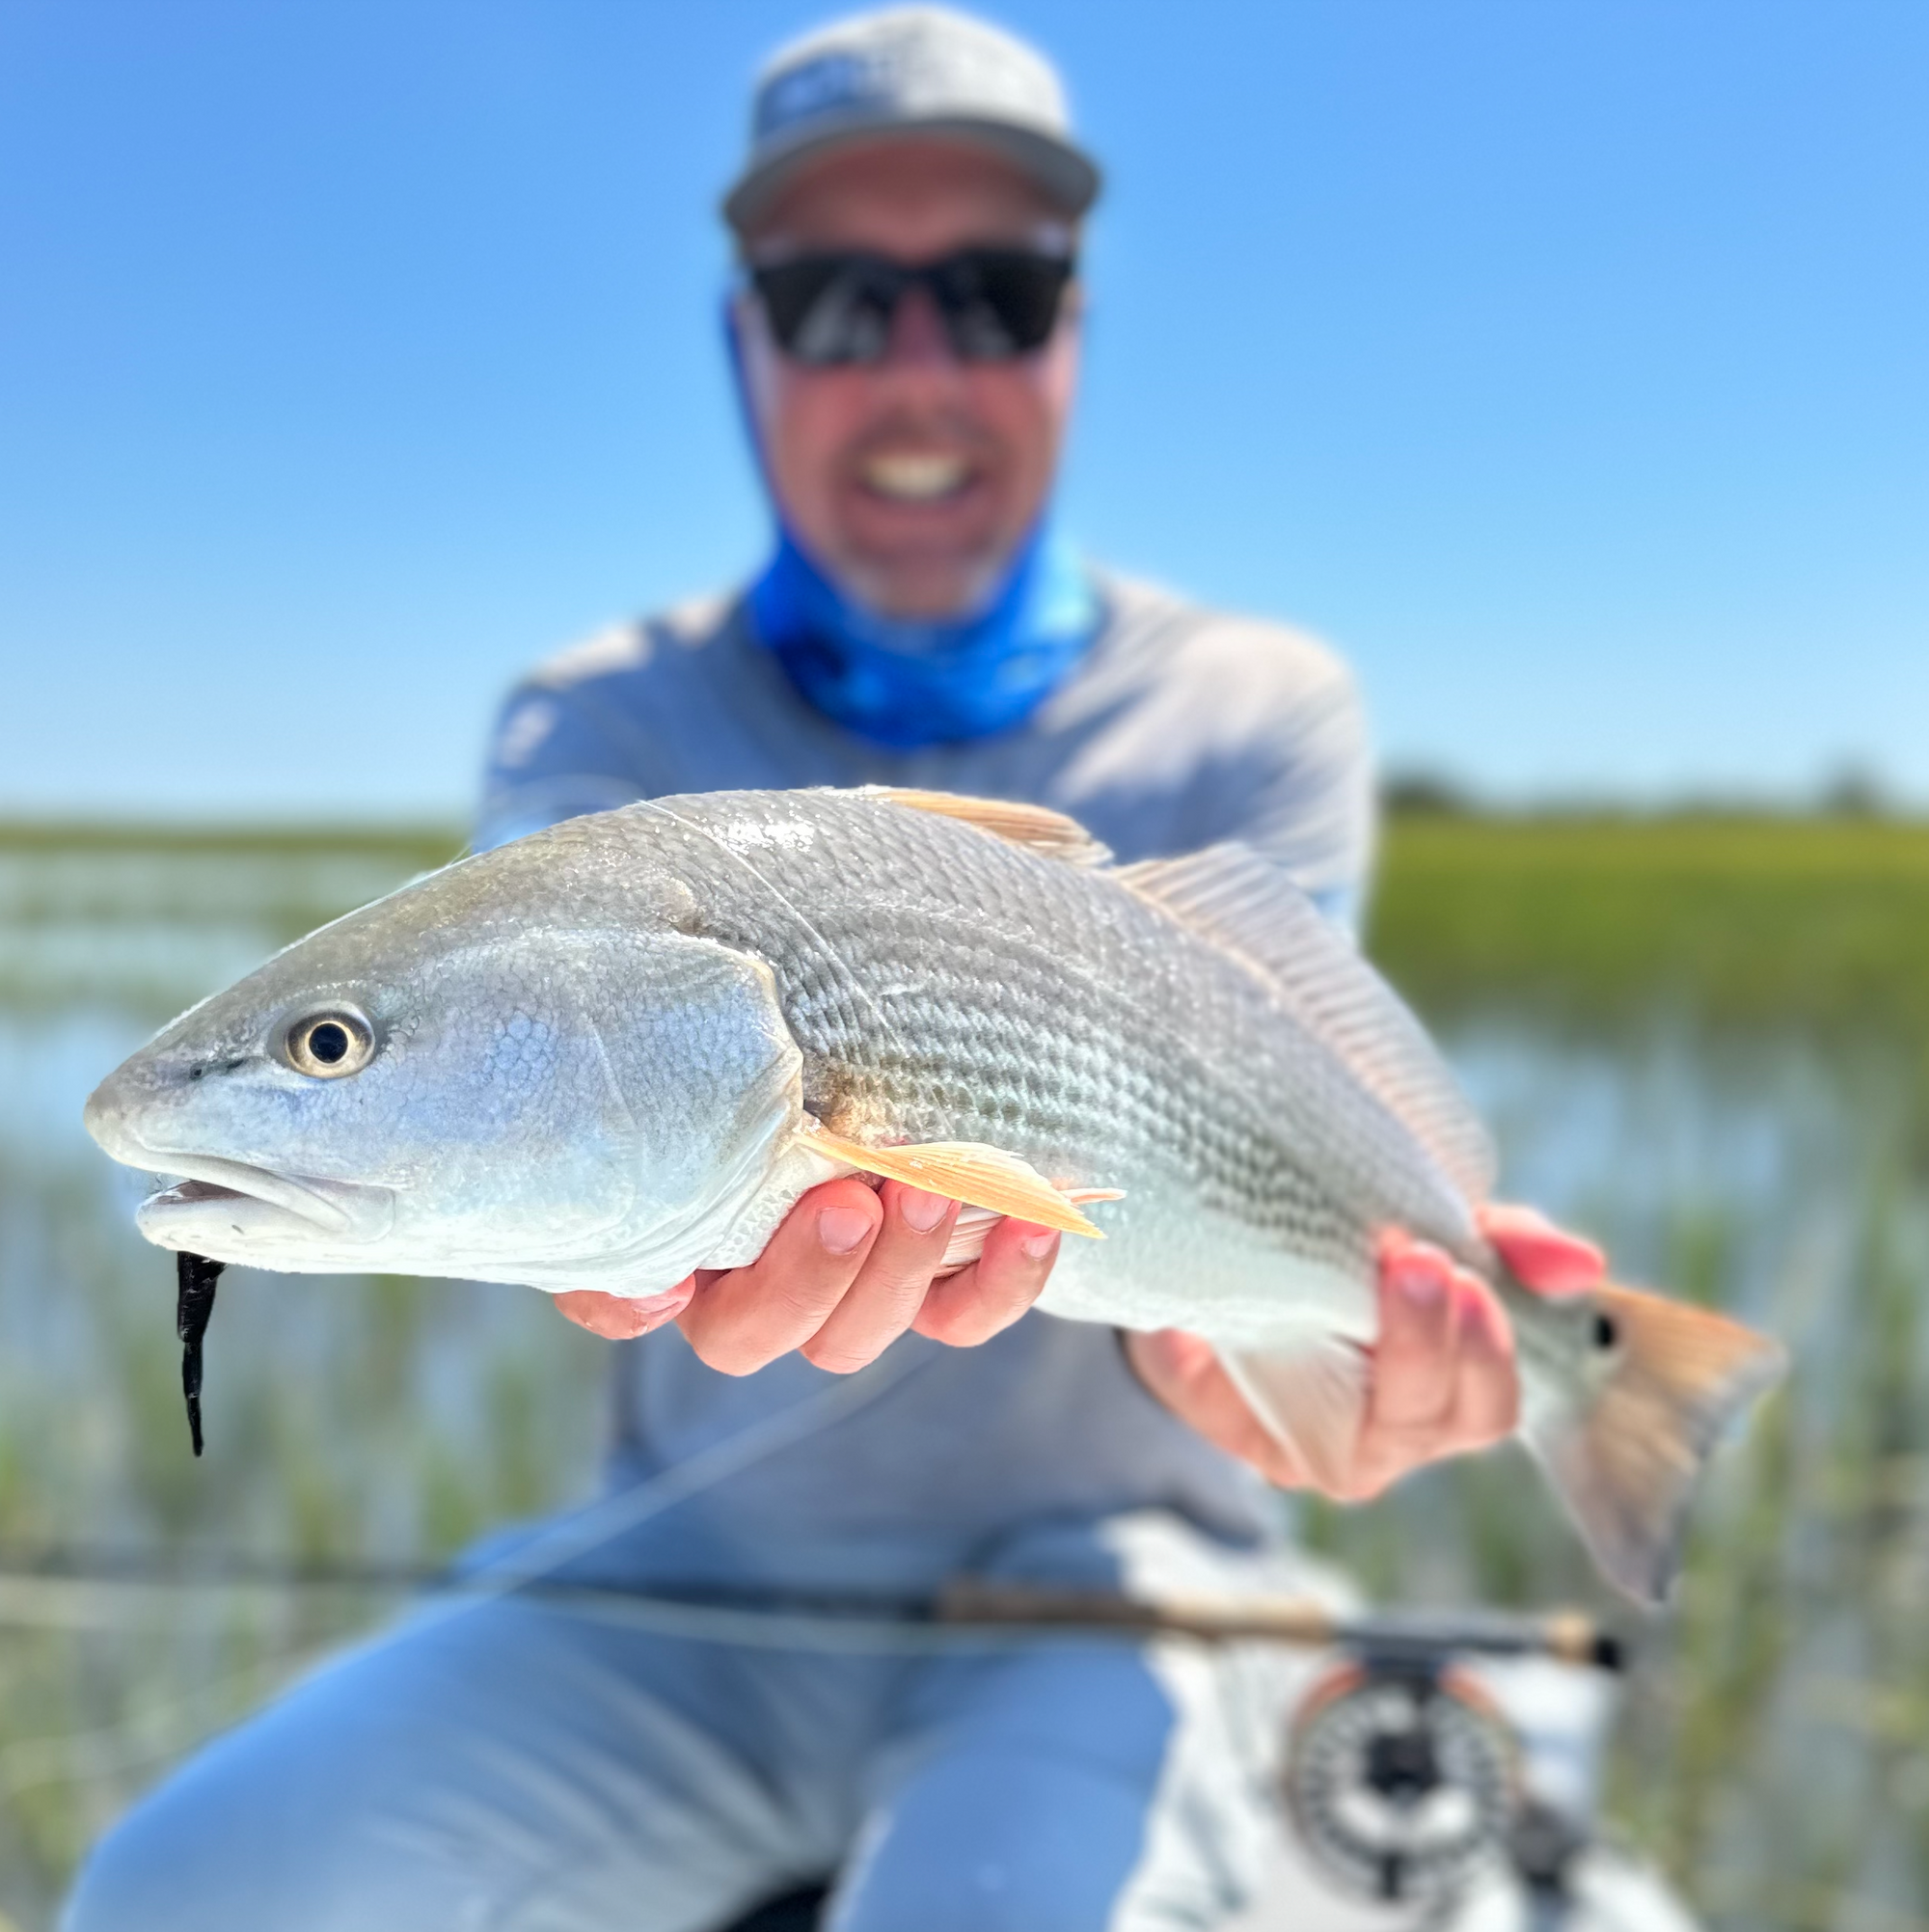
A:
[916,477]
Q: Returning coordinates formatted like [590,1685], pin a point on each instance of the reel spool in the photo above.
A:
[1400,1781]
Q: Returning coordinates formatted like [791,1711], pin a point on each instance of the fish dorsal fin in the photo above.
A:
[1246,905]
[1038,829]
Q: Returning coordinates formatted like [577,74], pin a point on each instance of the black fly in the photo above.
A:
[194,1303]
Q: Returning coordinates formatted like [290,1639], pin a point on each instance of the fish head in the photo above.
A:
[457,1081]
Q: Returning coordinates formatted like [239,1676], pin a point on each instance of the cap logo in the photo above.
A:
[819,86]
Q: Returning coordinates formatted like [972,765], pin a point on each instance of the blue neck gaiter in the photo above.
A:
[906,683]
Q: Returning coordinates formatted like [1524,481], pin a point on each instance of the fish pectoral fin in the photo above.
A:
[977,1175]
[1310,1395]
[1036,828]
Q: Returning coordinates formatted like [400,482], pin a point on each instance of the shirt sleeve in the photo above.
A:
[552,758]
[1314,811]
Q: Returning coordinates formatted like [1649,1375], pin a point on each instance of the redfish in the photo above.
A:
[618,1050]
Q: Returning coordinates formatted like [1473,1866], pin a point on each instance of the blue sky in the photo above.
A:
[1567,364]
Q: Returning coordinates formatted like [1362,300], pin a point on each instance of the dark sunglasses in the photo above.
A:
[995,303]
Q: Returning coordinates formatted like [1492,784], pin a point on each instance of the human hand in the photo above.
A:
[847,1271]
[1443,1381]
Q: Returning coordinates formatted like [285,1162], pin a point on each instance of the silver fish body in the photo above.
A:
[598,1057]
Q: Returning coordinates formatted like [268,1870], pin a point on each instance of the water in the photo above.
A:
[1772,1750]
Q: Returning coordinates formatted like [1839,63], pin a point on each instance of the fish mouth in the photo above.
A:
[209,1176]
[219,1201]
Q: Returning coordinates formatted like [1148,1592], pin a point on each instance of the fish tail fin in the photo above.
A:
[1625,1453]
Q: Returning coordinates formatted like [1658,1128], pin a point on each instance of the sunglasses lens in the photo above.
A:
[827,308]
[999,303]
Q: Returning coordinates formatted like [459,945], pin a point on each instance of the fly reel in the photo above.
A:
[1401,1778]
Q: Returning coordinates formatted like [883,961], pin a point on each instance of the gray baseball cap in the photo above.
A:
[909,69]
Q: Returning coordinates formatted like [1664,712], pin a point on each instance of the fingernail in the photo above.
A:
[920,1211]
[841,1229]
[1422,1287]
[1036,1246]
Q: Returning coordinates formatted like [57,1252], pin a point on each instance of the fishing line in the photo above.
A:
[747,1621]
[544,1554]
[602,1522]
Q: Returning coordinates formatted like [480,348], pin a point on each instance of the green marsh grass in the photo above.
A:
[1704,1037]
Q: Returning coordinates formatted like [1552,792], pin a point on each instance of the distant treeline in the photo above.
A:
[1724,918]
[1850,793]
[412,846]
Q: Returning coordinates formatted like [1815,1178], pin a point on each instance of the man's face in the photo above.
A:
[911,480]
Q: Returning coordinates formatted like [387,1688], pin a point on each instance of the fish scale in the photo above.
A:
[1064,1053]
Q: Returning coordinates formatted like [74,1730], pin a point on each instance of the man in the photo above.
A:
[906,340]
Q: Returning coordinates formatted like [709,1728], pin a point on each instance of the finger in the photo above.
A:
[622,1318]
[1413,1356]
[1540,1255]
[1476,1371]
[750,1316]
[890,1289]
[972,1306]
[1185,1373]
[1487,1407]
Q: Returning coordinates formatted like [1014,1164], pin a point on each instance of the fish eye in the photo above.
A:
[329,1044]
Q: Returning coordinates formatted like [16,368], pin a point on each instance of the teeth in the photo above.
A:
[915,477]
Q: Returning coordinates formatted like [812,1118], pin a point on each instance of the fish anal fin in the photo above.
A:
[1311,1397]
[973,1224]
[975,1174]
[1036,828]
[967,1237]
[1244,904]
